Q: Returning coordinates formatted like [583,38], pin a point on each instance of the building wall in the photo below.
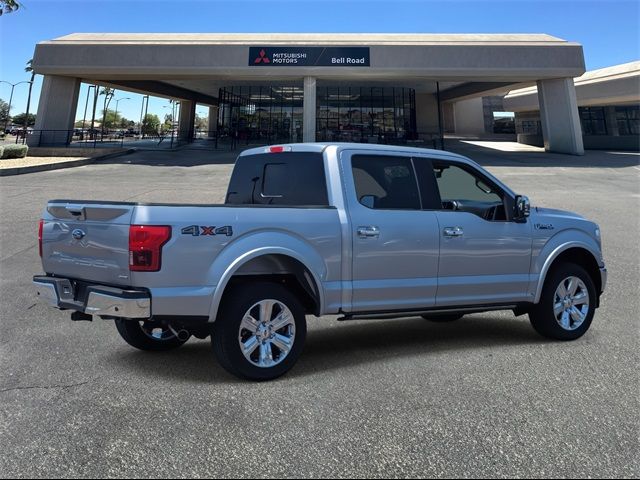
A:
[426,113]
[469,117]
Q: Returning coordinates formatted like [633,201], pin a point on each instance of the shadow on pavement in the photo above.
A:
[492,157]
[344,346]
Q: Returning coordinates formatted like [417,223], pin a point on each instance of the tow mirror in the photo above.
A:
[521,209]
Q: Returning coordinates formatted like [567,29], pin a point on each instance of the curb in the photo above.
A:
[5,172]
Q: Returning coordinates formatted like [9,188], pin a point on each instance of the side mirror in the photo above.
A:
[521,209]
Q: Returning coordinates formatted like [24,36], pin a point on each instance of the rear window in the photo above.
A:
[288,178]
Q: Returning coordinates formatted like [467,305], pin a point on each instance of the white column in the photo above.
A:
[56,111]
[187,120]
[559,116]
[309,110]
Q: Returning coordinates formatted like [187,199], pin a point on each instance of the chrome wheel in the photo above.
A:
[267,333]
[571,303]
[154,332]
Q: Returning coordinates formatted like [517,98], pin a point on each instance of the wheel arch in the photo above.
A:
[576,252]
[292,262]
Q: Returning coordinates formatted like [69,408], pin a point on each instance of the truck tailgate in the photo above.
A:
[87,240]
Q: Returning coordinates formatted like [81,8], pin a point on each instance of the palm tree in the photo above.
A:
[8,6]
[108,95]
[29,69]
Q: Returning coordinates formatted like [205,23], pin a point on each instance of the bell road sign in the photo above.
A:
[309,56]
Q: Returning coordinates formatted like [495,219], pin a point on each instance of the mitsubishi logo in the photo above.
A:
[262,58]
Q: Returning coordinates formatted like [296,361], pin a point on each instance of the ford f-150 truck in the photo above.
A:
[361,231]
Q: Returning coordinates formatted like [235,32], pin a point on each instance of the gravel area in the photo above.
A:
[33,161]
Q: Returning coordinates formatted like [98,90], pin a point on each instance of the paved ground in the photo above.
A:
[481,397]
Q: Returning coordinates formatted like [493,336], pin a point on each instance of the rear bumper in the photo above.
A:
[98,300]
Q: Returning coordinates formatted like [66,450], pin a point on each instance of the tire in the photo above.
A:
[551,317]
[443,317]
[260,334]
[140,336]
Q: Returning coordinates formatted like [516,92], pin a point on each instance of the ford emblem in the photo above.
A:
[78,234]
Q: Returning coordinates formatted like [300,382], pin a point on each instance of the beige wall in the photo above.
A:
[469,117]
[426,113]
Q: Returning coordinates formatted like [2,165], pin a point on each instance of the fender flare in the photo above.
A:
[264,243]
[589,245]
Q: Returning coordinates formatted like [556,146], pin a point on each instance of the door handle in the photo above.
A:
[368,232]
[453,232]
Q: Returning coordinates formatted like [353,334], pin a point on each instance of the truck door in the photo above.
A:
[395,241]
[484,255]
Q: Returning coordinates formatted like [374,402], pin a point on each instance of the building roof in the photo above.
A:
[309,39]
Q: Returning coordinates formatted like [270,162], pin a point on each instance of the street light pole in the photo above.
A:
[124,98]
[13,85]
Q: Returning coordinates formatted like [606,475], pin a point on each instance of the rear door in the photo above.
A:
[395,241]
[87,240]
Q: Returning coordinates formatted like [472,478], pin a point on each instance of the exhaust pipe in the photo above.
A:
[182,335]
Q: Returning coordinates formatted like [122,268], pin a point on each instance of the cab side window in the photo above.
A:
[462,190]
[385,182]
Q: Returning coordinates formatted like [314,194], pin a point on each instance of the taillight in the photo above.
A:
[145,247]
[40,227]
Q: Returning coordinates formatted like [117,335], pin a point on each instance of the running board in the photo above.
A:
[417,313]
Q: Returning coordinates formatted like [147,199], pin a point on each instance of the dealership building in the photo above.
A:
[388,88]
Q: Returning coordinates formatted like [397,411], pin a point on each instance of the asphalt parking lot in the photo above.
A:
[482,397]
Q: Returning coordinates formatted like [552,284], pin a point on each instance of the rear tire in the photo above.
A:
[259,332]
[143,336]
[567,303]
[443,317]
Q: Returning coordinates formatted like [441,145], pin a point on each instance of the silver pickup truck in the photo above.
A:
[362,231]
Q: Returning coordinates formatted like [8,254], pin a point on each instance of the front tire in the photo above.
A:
[567,303]
[147,336]
[259,332]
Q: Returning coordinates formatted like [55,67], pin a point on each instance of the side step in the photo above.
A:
[417,313]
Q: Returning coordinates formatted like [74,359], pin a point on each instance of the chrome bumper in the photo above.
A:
[92,299]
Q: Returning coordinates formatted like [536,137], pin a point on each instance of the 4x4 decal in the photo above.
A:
[201,230]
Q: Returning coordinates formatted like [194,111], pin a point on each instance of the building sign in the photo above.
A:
[309,56]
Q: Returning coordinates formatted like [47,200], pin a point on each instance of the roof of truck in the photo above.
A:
[322,146]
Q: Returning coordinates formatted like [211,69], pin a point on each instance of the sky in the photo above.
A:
[607,29]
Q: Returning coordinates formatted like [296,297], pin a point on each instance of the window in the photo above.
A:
[628,119]
[463,191]
[592,121]
[384,182]
[291,178]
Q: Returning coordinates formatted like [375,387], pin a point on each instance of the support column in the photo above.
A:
[213,121]
[187,120]
[56,111]
[309,110]
[559,116]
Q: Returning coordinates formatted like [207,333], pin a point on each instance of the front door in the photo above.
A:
[395,242]
[484,255]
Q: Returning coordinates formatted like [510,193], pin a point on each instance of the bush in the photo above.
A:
[14,151]
[1,150]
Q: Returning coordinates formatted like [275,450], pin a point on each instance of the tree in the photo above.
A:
[4,112]
[8,6]
[108,95]
[29,69]
[24,119]
[110,119]
[202,123]
[150,124]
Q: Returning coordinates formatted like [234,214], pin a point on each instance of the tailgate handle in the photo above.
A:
[76,211]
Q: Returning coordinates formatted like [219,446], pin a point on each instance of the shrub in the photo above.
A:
[1,150]
[15,151]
